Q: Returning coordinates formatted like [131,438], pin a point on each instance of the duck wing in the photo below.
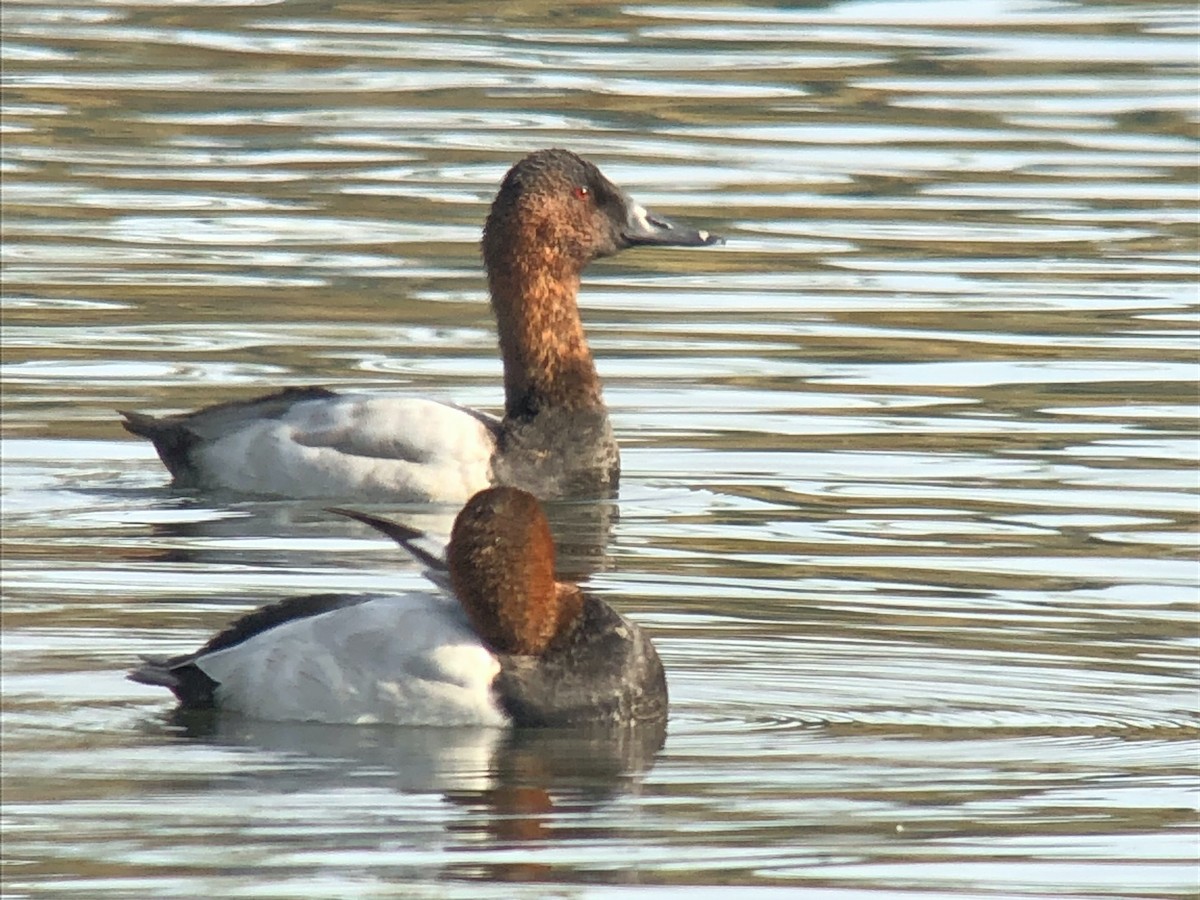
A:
[436,569]
[176,436]
[191,685]
[312,442]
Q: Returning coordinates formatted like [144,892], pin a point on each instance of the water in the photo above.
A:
[909,496]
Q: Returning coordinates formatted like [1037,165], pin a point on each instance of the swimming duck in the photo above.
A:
[554,213]
[503,642]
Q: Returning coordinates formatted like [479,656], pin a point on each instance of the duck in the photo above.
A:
[501,643]
[554,213]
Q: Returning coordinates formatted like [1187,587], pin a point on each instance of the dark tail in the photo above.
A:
[172,441]
[191,687]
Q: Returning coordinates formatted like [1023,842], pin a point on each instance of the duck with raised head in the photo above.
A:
[554,213]
[503,643]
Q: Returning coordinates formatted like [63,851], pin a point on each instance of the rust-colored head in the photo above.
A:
[555,212]
[558,207]
[501,559]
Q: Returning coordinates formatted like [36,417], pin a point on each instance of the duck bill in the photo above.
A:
[645,228]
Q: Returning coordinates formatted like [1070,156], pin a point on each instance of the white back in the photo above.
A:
[395,448]
[406,660]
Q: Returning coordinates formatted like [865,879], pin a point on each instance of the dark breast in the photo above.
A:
[605,671]
[558,453]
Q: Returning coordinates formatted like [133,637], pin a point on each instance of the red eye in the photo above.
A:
[582,192]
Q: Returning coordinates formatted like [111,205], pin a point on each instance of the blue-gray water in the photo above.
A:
[910,491]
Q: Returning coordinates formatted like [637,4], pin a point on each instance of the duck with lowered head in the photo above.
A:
[504,643]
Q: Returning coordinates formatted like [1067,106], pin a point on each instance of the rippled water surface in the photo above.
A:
[910,488]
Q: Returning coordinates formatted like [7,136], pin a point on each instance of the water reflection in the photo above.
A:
[515,785]
[304,533]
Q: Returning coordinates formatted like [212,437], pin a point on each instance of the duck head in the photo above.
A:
[501,561]
[555,205]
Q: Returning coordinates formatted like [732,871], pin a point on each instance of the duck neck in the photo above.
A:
[547,362]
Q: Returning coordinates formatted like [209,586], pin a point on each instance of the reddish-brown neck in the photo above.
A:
[547,362]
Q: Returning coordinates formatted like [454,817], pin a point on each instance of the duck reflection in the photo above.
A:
[515,782]
[279,532]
